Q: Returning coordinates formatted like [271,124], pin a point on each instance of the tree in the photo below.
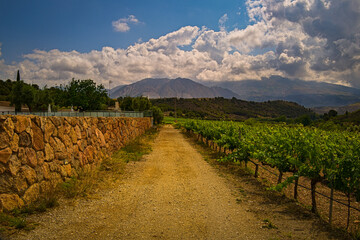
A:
[42,99]
[332,113]
[85,95]
[5,89]
[141,104]
[126,103]
[157,115]
[58,96]
[134,103]
[16,93]
[27,96]
[304,120]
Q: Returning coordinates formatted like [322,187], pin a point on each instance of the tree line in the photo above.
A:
[81,95]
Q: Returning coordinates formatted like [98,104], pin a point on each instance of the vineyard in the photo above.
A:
[328,159]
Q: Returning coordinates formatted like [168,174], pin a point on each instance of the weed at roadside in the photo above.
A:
[16,218]
[268,224]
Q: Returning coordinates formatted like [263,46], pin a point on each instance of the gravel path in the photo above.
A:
[173,194]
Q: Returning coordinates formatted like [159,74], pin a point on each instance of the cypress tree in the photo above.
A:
[17,93]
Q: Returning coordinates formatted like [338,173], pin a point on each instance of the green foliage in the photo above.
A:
[79,186]
[22,94]
[42,99]
[8,220]
[329,156]
[125,103]
[5,89]
[16,93]
[305,120]
[85,95]
[82,94]
[49,200]
[27,96]
[268,224]
[157,115]
[134,103]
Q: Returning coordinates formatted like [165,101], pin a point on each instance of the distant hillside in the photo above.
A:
[114,90]
[340,110]
[233,109]
[353,118]
[306,93]
[165,88]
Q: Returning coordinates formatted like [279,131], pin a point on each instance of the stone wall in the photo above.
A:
[36,153]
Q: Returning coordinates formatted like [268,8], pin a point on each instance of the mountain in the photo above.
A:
[115,90]
[166,88]
[306,93]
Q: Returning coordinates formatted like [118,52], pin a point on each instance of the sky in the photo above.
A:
[117,42]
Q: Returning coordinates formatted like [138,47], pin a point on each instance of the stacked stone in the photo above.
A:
[36,153]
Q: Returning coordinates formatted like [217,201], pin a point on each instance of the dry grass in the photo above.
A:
[110,170]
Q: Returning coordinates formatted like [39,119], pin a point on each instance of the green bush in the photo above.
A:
[157,115]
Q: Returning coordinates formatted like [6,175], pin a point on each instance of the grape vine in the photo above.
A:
[330,157]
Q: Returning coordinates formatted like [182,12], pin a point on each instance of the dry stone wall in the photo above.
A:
[36,153]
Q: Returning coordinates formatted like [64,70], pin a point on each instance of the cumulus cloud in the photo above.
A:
[308,39]
[122,25]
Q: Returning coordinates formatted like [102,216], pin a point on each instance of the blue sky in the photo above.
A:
[87,24]
[52,41]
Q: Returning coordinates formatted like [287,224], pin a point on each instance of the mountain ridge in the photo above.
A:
[310,94]
[166,88]
[306,93]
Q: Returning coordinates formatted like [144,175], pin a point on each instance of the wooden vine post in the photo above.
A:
[313,195]
[296,187]
[349,206]
[331,204]
[256,170]
[280,177]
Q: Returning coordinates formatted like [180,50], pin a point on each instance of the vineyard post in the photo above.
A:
[348,215]
[296,187]
[280,177]
[256,170]
[331,204]
[313,195]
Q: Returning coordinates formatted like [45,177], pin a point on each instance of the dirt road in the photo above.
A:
[173,194]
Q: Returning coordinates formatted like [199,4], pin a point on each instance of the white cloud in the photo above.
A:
[132,19]
[122,25]
[222,22]
[297,39]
